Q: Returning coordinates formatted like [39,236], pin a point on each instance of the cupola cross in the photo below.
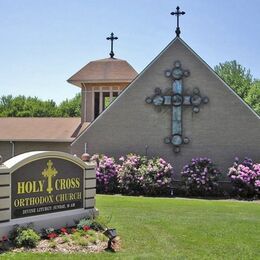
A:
[112,38]
[178,13]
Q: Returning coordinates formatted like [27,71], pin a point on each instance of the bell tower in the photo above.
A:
[101,81]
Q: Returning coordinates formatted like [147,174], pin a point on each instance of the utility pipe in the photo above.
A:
[12,143]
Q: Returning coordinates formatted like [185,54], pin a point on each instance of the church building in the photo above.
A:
[177,108]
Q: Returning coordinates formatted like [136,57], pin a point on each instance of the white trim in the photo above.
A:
[100,102]
[110,94]
[25,158]
[85,104]
[93,104]
[100,81]
[100,89]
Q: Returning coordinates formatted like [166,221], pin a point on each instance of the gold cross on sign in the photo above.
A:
[48,173]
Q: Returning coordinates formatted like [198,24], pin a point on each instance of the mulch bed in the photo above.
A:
[47,246]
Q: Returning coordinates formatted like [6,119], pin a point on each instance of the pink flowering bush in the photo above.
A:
[130,175]
[157,177]
[138,175]
[200,177]
[106,174]
[245,177]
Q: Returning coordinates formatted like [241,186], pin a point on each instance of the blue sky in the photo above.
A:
[44,42]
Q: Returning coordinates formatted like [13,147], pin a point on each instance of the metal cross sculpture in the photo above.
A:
[112,38]
[178,13]
[176,100]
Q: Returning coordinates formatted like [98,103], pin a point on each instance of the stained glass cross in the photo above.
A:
[176,100]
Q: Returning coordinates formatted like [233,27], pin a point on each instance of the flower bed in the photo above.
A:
[87,236]
[135,175]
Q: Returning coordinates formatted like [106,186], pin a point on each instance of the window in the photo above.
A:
[115,94]
[96,104]
[102,100]
[106,100]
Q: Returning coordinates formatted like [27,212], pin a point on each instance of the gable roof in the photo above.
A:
[40,129]
[104,71]
[176,39]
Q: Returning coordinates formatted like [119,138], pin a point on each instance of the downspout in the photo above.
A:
[12,143]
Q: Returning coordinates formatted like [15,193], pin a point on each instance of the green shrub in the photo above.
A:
[91,233]
[84,222]
[82,241]
[102,237]
[92,240]
[52,244]
[47,231]
[24,236]
[75,236]
[98,223]
[65,239]
[27,238]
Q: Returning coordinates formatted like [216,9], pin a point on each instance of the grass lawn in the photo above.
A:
[162,228]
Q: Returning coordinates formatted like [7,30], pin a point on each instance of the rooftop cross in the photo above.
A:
[178,13]
[112,38]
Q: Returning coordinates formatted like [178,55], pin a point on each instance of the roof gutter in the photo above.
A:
[40,140]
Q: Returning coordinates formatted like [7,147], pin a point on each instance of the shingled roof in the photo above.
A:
[40,129]
[104,71]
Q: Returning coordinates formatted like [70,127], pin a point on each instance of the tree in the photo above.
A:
[22,106]
[253,97]
[5,105]
[70,107]
[236,76]
[44,108]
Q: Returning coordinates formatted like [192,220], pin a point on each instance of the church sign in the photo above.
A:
[48,189]
[46,185]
